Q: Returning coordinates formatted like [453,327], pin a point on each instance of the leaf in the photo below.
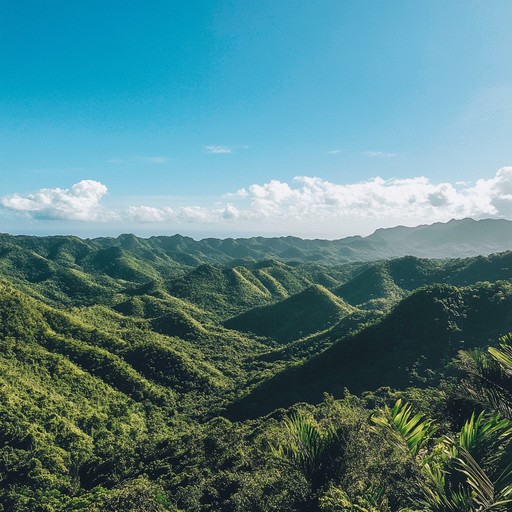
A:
[408,432]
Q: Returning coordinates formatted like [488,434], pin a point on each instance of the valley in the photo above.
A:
[165,370]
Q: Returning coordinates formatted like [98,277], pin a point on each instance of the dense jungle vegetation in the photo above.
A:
[165,374]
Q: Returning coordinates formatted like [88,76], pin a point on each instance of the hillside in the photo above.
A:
[121,358]
[227,291]
[386,282]
[371,288]
[315,309]
[407,347]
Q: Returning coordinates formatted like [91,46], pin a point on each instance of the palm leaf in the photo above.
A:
[305,447]
[408,432]
[481,453]
[486,382]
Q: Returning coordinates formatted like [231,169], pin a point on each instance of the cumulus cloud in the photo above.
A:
[230,212]
[148,214]
[218,150]
[80,202]
[312,201]
[196,214]
[380,154]
[412,198]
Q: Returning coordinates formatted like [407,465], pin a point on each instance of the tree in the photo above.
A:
[467,472]
[488,377]
[309,450]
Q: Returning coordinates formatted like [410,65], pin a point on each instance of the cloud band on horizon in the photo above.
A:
[305,199]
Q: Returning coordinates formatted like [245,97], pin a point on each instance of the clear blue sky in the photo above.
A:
[195,117]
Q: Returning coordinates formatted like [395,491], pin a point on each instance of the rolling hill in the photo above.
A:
[407,347]
[119,355]
[315,309]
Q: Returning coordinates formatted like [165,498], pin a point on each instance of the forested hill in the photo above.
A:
[423,333]
[457,238]
[165,374]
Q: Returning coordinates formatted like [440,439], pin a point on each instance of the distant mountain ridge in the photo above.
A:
[453,239]
[456,238]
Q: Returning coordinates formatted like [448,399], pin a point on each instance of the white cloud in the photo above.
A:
[149,214]
[218,150]
[333,152]
[196,214]
[322,206]
[240,193]
[411,199]
[379,154]
[230,212]
[80,202]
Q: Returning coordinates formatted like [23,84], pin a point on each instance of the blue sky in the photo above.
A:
[240,118]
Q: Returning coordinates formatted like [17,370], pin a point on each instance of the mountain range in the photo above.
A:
[127,358]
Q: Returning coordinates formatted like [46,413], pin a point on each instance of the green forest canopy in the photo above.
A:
[135,376]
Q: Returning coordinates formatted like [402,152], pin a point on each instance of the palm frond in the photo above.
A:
[481,452]
[305,446]
[503,356]
[408,432]
[477,479]
[469,472]
[486,383]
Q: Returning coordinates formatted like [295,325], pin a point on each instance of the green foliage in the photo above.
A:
[471,471]
[412,432]
[337,500]
[138,495]
[306,448]
[116,365]
[315,309]
[488,377]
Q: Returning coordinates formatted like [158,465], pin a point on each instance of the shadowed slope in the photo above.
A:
[417,339]
[315,309]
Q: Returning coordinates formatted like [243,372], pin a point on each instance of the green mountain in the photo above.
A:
[417,339]
[371,288]
[120,359]
[315,309]
[386,282]
[227,291]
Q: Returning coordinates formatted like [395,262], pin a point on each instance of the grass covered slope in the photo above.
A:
[315,309]
[118,357]
[411,346]
[228,291]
